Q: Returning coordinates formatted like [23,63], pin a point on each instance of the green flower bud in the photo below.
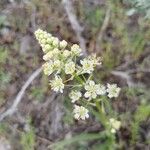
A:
[63,44]
[66,53]
[46,48]
[55,42]
[43,41]
[76,50]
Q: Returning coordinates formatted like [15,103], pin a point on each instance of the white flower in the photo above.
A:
[48,56]
[38,31]
[57,64]
[46,48]
[76,50]
[92,90]
[51,54]
[55,42]
[112,90]
[48,68]
[95,60]
[43,41]
[56,53]
[70,67]
[57,84]
[44,38]
[63,44]
[49,40]
[75,95]
[66,53]
[100,89]
[80,112]
[115,125]
[87,66]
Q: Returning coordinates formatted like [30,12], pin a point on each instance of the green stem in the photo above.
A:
[108,106]
[102,116]
[78,78]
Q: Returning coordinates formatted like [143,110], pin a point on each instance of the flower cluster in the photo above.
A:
[92,90]
[114,124]
[80,112]
[113,90]
[64,64]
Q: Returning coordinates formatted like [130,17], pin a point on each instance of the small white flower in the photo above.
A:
[80,112]
[55,42]
[43,41]
[53,54]
[76,50]
[38,31]
[57,64]
[70,67]
[112,90]
[49,40]
[63,44]
[56,52]
[113,130]
[92,90]
[115,125]
[75,95]
[48,68]
[57,84]
[95,60]
[48,56]
[66,53]
[100,89]
[87,66]
[46,48]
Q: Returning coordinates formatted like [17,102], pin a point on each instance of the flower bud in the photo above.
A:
[76,50]
[43,41]
[63,44]
[55,42]
[48,56]
[46,48]
[66,53]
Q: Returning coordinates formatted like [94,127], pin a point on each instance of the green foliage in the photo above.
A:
[4,79]
[77,139]
[28,140]
[2,20]
[140,115]
[3,128]
[68,117]
[137,44]
[37,93]
[3,55]
[142,6]
[94,17]
[109,59]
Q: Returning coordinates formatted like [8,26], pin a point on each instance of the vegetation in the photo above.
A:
[123,28]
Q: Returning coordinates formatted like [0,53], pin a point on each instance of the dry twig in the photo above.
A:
[103,28]
[126,75]
[75,24]
[19,96]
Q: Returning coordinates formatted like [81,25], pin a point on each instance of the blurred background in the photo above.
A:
[116,30]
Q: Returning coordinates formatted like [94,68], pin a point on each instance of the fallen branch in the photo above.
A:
[126,75]
[75,24]
[19,96]
[103,28]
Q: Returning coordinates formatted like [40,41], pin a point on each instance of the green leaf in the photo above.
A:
[77,138]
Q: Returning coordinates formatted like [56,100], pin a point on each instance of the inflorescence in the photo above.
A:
[65,64]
